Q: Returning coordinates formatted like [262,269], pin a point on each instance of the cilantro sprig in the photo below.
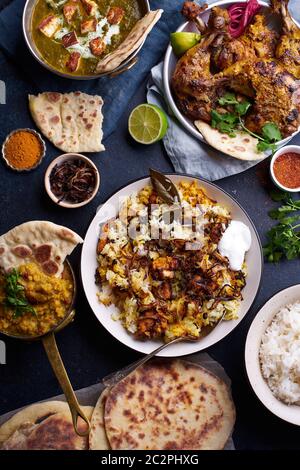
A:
[227,123]
[284,238]
[15,298]
[230,122]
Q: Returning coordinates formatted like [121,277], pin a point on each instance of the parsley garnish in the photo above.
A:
[228,123]
[228,98]
[284,238]
[225,123]
[15,298]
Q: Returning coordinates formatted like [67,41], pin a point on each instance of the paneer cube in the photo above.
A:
[69,39]
[49,25]
[115,15]
[73,61]
[69,10]
[90,7]
[97,46]
[88,26]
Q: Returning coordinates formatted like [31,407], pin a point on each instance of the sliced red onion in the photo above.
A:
[241,15]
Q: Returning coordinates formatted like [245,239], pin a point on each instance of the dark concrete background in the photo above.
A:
[89,352]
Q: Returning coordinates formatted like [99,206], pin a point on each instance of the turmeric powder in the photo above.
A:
[23,150]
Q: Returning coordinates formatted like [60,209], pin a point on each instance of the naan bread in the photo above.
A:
[242,147]
[38,241]
[43,426]
[168,405]
[97,438]
[71,121]
[133,41]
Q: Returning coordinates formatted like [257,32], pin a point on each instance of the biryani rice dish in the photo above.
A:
[160,265]
[280,354]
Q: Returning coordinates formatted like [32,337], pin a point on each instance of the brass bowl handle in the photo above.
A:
[124,68]
[62,377]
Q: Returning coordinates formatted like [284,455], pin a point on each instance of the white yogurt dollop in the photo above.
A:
[235,242]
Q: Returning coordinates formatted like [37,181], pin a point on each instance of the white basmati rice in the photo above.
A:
[280,354]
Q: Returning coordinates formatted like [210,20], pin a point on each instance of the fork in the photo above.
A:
[112,379]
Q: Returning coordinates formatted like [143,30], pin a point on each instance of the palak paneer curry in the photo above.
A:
[72,35]
[31,302]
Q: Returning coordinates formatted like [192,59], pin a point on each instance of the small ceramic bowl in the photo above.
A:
[58,161]
[282,151]
[43,149]
[289,413]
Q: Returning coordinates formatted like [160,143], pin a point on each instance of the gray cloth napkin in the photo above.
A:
[187,154]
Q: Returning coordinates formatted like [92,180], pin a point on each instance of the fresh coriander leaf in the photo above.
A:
[271,132]
[242,108]
[225,123]
[289,220]
[228,98]
[263,146]
[15,298]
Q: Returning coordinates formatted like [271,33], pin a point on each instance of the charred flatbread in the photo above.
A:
[71,121]
[97,437]
[38,241]
[43,426]
[168,405]
[243,146]
[133,41]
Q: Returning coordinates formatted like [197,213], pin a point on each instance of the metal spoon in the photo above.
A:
[114,378]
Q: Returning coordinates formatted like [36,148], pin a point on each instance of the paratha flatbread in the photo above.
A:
[133,41]
[97,438]
[43,426]
[168,405]
[71,121]
[38,241]
[242,147]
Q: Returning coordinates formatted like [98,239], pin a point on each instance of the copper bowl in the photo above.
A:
[43,150]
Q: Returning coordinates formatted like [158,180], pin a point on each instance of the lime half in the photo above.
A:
[182,42]
[147,124]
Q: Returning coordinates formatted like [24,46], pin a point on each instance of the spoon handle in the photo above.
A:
[114,378]
[62,377]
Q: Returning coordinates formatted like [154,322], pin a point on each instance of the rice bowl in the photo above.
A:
[280,354]
[262,321]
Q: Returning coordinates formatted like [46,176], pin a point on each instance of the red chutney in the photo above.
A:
[287,170]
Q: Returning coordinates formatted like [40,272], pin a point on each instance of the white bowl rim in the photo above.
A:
[64,157]
[169,96]
[278,153]
[261,266]
[289,413]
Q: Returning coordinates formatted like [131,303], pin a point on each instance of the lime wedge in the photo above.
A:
[182,42]
[147,124]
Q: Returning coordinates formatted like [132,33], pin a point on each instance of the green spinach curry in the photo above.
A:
[73,35]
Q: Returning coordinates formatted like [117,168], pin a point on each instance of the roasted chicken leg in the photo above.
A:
[288,48]
[275,93]
[195,89]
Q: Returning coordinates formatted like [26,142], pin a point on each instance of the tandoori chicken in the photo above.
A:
[256,65]
[288,47]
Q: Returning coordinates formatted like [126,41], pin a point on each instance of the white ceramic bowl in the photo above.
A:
[282,151]
[58,161]
[289,413]
[171,61]
[104,314]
